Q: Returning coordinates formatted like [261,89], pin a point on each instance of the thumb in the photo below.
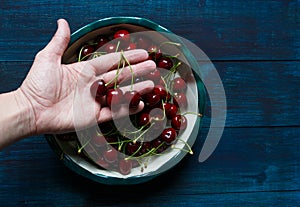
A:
[60,40]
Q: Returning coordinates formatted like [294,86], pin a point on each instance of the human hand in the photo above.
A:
[52,88]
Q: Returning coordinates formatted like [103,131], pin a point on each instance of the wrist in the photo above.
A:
[26,113]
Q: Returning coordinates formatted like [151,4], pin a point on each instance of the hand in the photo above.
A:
[51,88]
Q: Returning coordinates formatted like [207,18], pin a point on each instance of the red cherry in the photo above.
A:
[125,166]
[179,85]
[132,148]
[110,47]
[131,46]
[102,162]
[165,62]
[179,122]
[110,155]
[101,40]
[146,147]
[161,91]
[151,99]
[144,119]
[133,98]
[123,34]
[154,76]
[99,141]
[169,135]
[170,110]
[114,96]
[158,142]
[180,100]
[143,42]
[86,51]
[154,53]
[98,88]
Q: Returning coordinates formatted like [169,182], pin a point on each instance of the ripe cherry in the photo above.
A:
[143,42]
[154,76]
[179,85]
[125,166]
[132,148]
[133,98]
[170,110]
[110,155]
[180,100]
[101,40]
[169,135]
[102,162]
[114,96]
[144,119]
[99,141]
[165,62]
[154,53]
[158,144]
[151,99]
[131,46]
[86,51]
[110,47]
[98,88]
[123,34]
[161,91]
[179,122]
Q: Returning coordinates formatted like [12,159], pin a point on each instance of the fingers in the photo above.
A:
[106,114]
[110,61]
[59,42]
[138,70]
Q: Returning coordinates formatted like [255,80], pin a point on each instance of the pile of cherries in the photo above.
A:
[115,147]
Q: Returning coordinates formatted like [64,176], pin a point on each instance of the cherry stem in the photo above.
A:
[131,70]
[169,42]
[193,113]
[186,144]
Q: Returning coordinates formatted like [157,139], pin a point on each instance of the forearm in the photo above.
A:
[15,118]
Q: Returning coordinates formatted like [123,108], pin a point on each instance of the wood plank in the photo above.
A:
[258,93]
[246,163]
[225,30]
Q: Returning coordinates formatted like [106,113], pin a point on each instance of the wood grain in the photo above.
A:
[257,93]
[226,30]
[248,163]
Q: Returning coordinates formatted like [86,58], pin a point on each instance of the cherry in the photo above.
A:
[180,100]
[154,75]
[151,99]
[131,46]
[179,85]
[125,166]
[123,34]
[110,155]
[102,162]
[165,62]
[114,96]
[154,53]
[110,47]
[158,142]
[161,91]
[170,110]
[146,147]
[98,88]
[101,40]
[143,42]
[99,141]
[179,122]
[169,135]
[133,98]
[87,50]
[144,119]
[132,147]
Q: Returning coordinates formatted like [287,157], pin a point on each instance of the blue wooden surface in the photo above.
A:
[255,46]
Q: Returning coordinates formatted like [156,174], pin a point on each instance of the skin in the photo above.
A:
[56,98]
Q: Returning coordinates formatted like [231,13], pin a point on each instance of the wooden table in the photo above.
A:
[255,46]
